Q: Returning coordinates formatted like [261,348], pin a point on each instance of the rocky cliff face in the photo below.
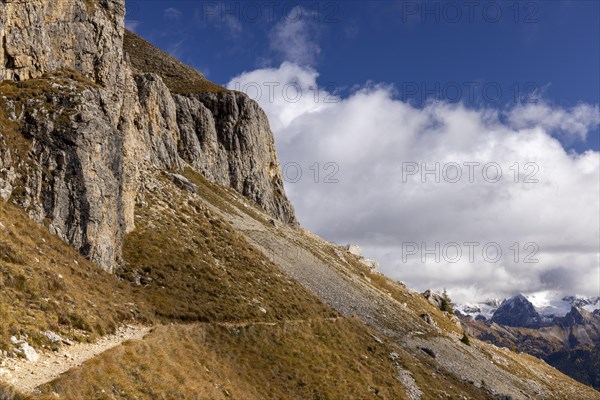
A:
[517,312]
[81,126]
[40,36]
[226,136]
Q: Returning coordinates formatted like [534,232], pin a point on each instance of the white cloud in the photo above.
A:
[294,38]
[576,121]
[369,136]
[172,13]
[271,87]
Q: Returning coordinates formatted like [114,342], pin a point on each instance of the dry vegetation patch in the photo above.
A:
[334,360]
[191,265]
[179,78]
[46,285]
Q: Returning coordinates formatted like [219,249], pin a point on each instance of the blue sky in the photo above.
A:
[388,84]
[531,50]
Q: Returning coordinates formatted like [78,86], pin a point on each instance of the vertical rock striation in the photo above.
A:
[82,124]
[227,137]
[40,36]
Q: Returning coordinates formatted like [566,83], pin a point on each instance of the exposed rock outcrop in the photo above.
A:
[82,127]
[355,250]
[40,36]
[435,299]
[227,137]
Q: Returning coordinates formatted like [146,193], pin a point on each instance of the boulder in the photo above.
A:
[29,352]
[25,349]
[433,298]
[53,337]
[372,264]
[427,318]
[354,249]
[182,182]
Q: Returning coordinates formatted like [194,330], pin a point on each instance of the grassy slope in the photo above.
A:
[8,393]
[218,278]
[195,267]
[47,285]
[177,237]
[192,265]
[178,77]
[303,354]
[312,360]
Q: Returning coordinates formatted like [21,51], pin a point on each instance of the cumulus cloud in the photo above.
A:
[294,38]
[577,121]
[286,93]
[355,154]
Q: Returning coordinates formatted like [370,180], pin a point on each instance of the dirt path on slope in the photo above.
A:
[26,376]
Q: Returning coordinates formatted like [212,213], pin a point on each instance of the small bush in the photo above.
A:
[447,303]
[465,339]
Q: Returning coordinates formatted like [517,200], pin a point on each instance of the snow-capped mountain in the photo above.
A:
[550,306]
[483,310]
[547,304]
[517,311]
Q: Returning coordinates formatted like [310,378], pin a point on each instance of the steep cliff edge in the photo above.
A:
[82,124]
[223,134]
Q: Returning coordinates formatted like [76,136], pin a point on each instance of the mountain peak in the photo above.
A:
[517,311]
[577,316]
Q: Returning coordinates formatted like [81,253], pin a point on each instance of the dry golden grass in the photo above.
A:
[302,360]
[179,78]
[47,285]
[90,6]
[192,266]
[8,393]
[195,267]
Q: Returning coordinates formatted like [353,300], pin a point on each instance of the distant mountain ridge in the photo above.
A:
[547,308]
[567,340]
[517,312]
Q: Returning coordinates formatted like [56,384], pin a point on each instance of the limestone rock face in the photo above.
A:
[227,137]
[40,36]
[81,128]
[74,179]
[157,122]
